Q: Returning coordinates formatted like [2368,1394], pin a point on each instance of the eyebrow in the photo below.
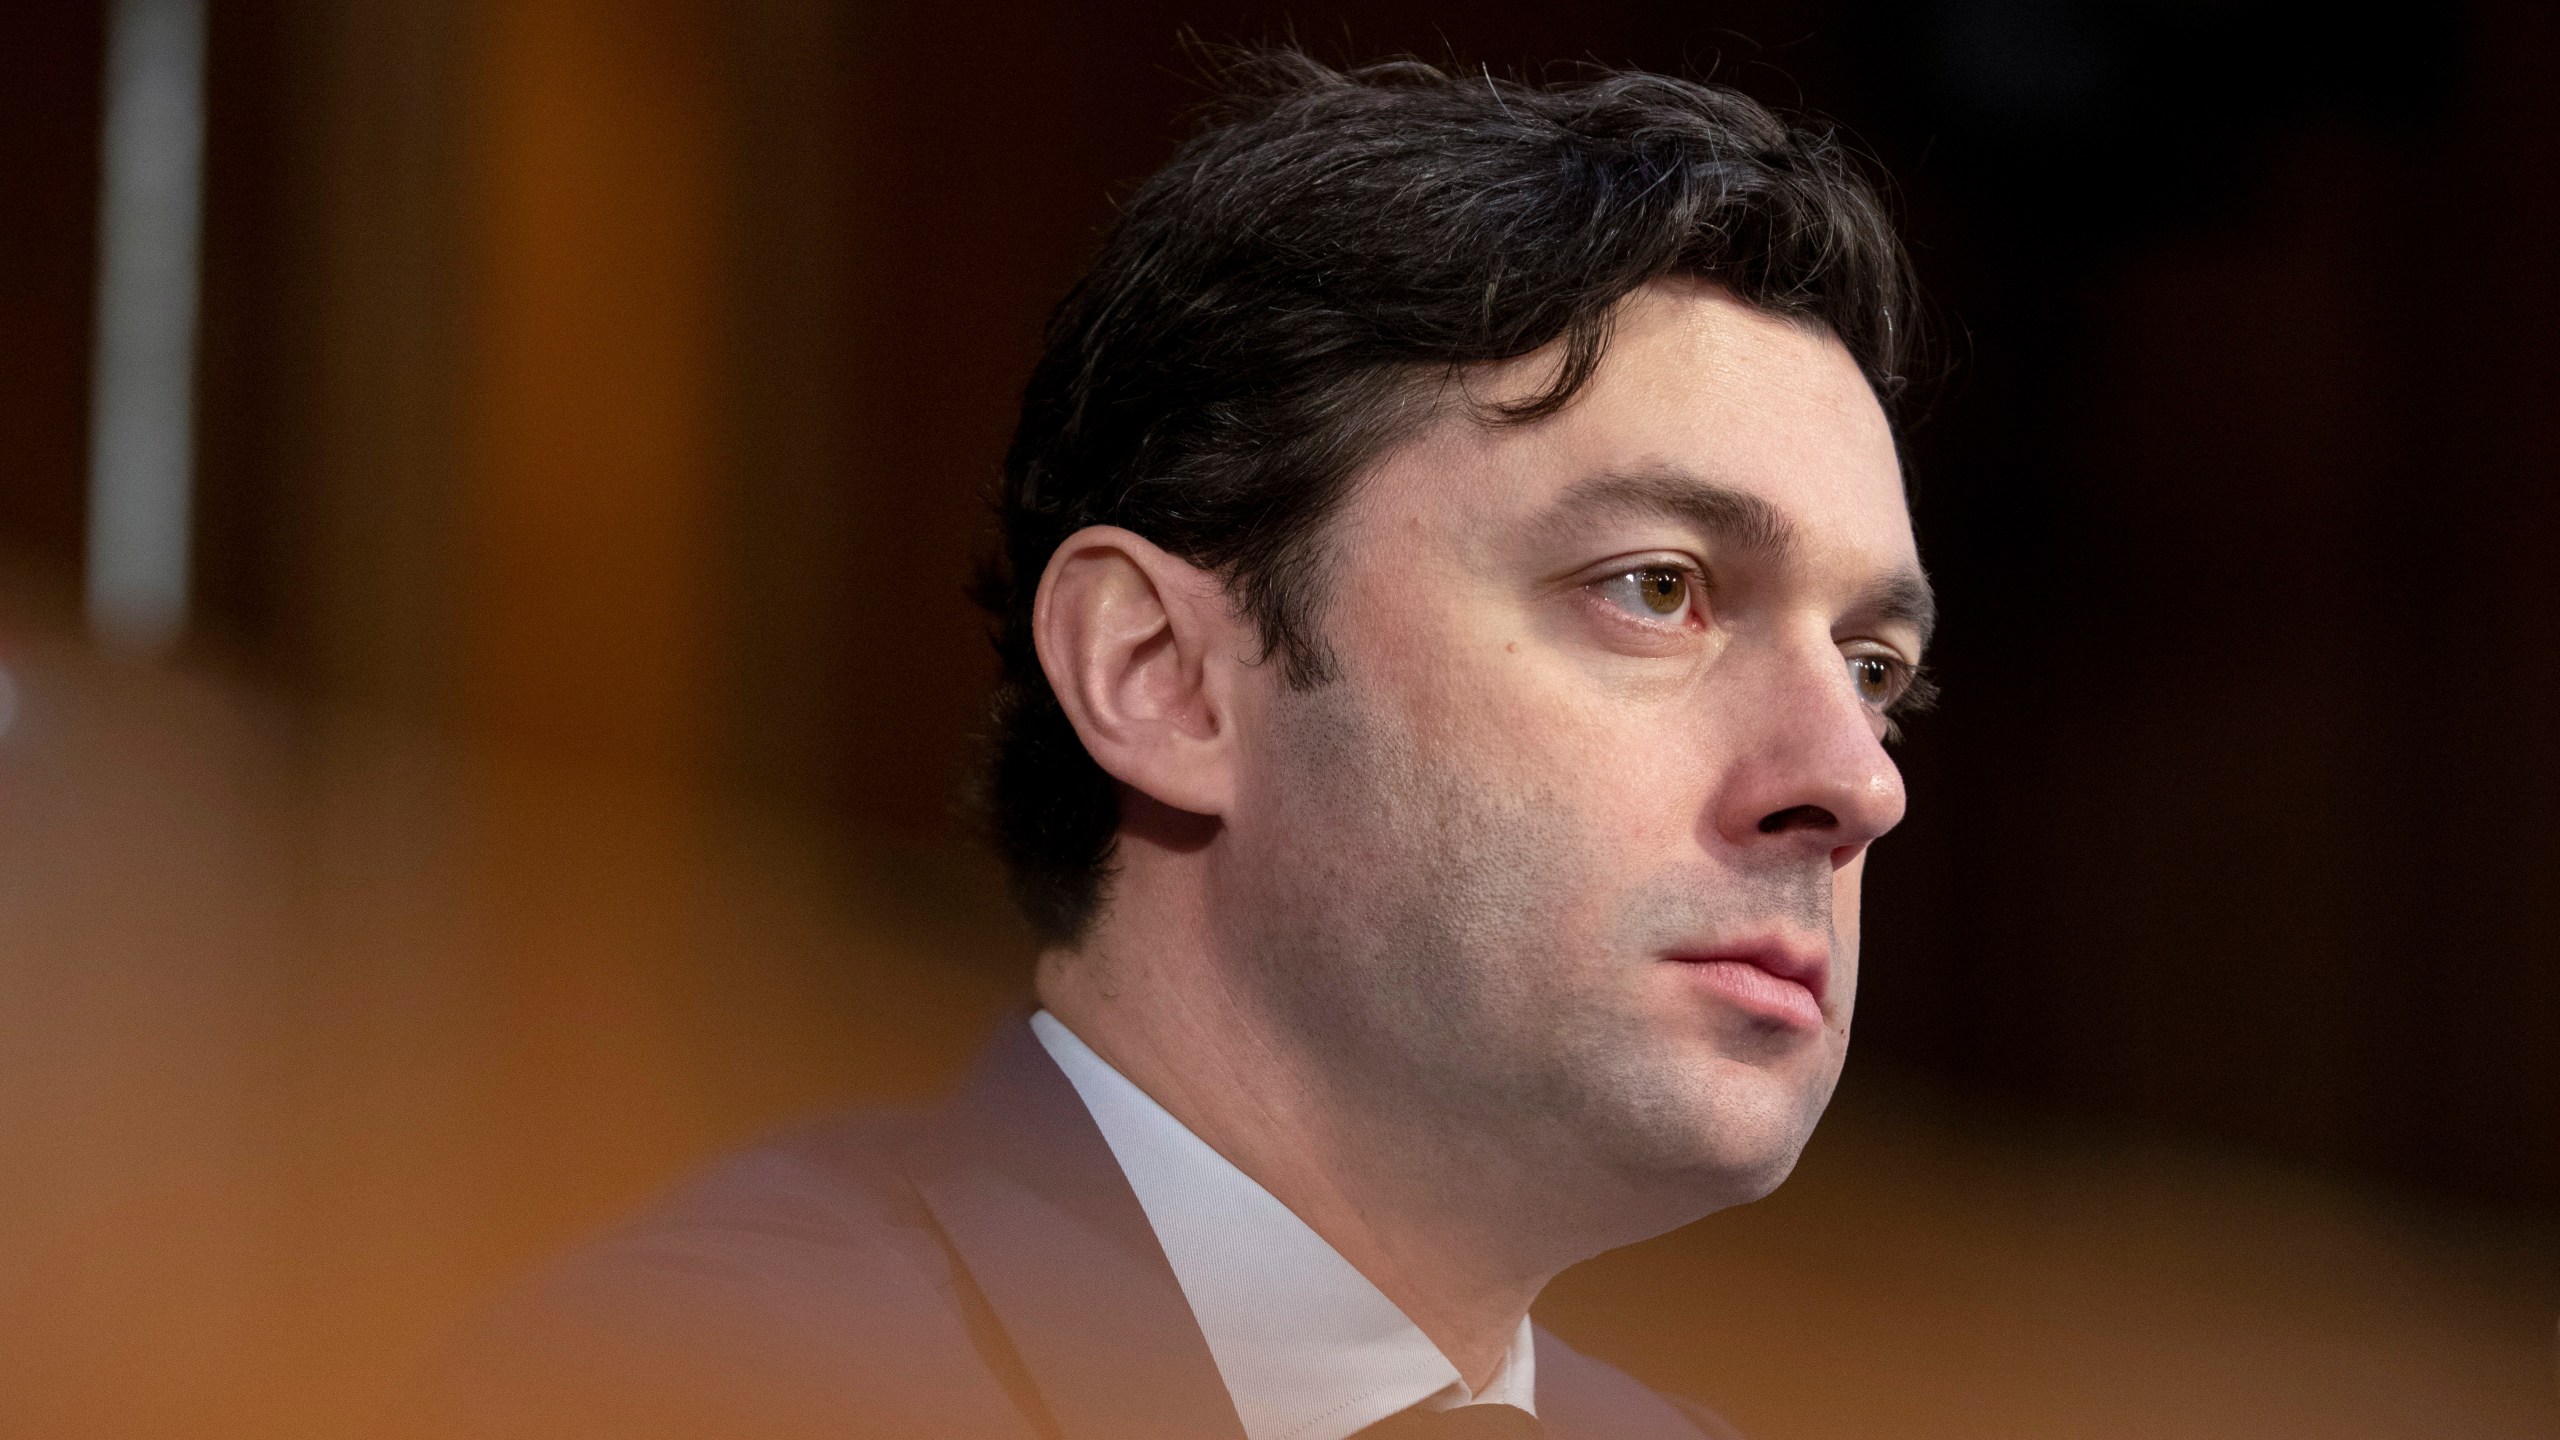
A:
[1736,517]
[1905,596]
[1740,519]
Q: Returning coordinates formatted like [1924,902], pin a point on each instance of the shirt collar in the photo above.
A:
[1308,1348]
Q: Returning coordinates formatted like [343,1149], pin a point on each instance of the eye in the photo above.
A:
[1653,592]
[1891,687]
[1880,681]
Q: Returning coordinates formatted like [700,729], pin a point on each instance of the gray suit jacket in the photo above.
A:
[981,1273]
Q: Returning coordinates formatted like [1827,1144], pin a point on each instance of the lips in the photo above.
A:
[1771,981]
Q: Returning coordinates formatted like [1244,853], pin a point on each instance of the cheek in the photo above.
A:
[1589,776]
[1846,883]
[1530,712]
[1603,780]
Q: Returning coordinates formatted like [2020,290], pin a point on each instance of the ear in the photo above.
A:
[1142,650]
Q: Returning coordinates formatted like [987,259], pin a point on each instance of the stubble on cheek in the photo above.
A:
[1455,940]
[1463,944]
[1394,927]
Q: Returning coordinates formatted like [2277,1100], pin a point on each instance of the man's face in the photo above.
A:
[1565,861]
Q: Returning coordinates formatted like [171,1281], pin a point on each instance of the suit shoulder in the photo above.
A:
[1580,1398]
[789,1289]
[824,1202]
[828,1178]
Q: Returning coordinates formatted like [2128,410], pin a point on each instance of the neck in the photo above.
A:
[1438,1231]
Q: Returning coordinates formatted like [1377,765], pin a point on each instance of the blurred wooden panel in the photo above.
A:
[594,195]
[335,311]
[596,201]
[51,71]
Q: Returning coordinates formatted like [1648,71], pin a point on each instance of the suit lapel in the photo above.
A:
[1022,1183]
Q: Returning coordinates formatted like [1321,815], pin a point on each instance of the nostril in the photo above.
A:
[1798,817]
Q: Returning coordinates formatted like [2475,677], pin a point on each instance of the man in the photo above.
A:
[1456,586]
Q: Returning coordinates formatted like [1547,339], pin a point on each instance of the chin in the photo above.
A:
[1758,1178]
[1701,1138]
[1737,1165]
[1748,1126]
[1714,1176]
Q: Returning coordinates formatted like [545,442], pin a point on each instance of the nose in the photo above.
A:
[1806,771]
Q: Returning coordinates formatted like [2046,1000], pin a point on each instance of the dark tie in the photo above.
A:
[1467,1422]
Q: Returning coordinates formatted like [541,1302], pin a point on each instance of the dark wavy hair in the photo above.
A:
[1281,303]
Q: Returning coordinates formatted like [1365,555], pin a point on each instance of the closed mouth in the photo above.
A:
[1772,979]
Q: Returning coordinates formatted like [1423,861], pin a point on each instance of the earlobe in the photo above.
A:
[1137,644]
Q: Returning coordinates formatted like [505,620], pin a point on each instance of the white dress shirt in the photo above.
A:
[1308,1348]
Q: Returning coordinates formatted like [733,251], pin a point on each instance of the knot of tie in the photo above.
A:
[1467,1422]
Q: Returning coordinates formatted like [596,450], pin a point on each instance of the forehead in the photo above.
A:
[1693,382]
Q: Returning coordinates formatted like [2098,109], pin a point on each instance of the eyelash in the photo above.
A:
[1916,692]
[1691,578]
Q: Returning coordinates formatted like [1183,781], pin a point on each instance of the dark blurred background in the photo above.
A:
[556,776]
